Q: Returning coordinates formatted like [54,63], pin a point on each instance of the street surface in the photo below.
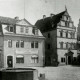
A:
[60,73]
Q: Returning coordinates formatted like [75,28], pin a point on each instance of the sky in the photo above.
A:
[35,9]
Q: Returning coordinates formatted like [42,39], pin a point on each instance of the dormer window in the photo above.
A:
[11,28]
[35,31]
[22,29]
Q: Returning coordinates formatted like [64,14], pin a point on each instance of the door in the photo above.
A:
[10,61]
[69,59]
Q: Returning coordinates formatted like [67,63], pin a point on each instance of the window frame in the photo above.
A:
[20,60]
[22,29]
[17,44]
[9,43]
[22,44]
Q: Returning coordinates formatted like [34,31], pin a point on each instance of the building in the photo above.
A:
[21,44]
[61,38]
[78,37]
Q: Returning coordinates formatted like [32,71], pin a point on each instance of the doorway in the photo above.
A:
[10,61]
[69,60]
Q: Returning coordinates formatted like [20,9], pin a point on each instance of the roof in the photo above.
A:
[46,24]
[7,20]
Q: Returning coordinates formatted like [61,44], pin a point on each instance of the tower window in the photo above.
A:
[48,46]
[48,35]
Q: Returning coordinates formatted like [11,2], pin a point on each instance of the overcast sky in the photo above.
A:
[35,9]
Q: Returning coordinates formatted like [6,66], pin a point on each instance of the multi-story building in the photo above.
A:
[78,37]
[61,38]
[21,44]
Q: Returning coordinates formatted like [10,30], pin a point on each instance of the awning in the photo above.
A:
[34,56]
[19,56]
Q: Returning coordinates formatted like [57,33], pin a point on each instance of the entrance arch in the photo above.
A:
[69,57]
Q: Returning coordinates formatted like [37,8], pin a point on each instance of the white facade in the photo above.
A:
[22,46]
[66,38]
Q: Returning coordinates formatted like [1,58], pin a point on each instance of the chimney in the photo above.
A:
[44,16]
[17,18]
[51,15]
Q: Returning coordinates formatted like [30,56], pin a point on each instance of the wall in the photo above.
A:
[27,51]
[50,54]
[1,51]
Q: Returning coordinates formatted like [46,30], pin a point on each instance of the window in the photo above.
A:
[34,59]
[67,45]
[62,59]
[17,44]
[26,30]
[9,43]
[22,29]
[66,34]
[22,44]
[35,31]
[66,23]
[11,29]
[67,17]
[20,59]
[61,44]
[48,46]
[61,33]
[34,44]
[73,35]
[48,35]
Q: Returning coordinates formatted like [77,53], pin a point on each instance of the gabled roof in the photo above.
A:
[7,20]
[46,24]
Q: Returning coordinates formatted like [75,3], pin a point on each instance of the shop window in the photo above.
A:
[9,43]
[20,59]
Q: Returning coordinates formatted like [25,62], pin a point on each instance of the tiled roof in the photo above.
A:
[7,20]
[46,24]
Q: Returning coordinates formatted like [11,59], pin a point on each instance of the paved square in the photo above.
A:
[60,73]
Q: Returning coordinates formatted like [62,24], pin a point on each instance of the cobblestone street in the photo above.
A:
[61,73]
